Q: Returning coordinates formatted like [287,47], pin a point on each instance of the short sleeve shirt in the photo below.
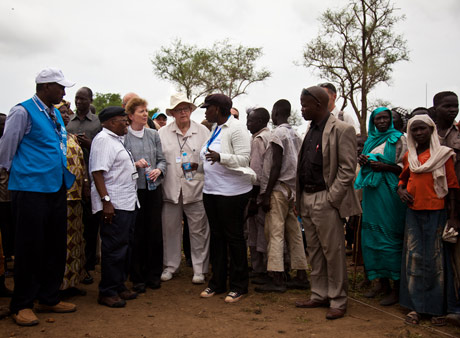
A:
[108,154]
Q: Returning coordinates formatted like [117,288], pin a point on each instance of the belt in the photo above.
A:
[313,188]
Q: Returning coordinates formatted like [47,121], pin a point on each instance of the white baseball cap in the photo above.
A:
[49,75]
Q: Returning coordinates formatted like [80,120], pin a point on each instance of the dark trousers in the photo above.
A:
[147,257]
[7,228]
[90,232]
[40,247]
[116,251]
[186,239]
[226,221]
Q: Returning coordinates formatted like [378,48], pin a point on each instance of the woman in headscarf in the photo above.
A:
[145,146]
[427,178]
[383,211]
[74,268]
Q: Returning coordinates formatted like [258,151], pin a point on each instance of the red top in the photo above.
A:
[421,186]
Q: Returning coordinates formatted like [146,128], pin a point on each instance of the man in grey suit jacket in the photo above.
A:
[325,195]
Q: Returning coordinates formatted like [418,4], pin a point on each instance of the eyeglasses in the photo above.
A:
[307,92]
[183,109]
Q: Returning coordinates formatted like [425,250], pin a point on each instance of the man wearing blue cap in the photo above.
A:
[160,118]
[33,150]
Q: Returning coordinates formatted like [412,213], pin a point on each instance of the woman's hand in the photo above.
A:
[154,174]
[377,166]
[454,223]
[362,160]
[142,163]
[404,195]
[212,156]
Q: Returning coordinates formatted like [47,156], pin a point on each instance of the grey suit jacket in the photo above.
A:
[339,167]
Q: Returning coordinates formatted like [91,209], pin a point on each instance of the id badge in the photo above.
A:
[135,176]
[178,159]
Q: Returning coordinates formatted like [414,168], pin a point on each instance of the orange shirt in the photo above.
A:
[421,186]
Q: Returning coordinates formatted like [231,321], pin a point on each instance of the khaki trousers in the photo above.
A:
[172,235]
[281,222]
[326,249]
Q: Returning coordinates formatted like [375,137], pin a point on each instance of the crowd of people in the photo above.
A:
[128,191]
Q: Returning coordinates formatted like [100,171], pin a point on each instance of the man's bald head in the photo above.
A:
[128,97]
[314,101]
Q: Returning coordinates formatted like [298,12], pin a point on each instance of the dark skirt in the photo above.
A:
[423,265]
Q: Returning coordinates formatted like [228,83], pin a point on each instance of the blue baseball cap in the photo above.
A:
[158,114]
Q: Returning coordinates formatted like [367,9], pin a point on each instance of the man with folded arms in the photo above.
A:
[114,198]
[33,149]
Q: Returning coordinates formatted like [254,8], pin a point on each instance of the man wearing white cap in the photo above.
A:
[181,195]
[33,150]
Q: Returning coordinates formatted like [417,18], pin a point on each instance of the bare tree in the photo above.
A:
[357,49]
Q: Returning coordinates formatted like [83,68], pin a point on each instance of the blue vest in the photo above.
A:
[40,164]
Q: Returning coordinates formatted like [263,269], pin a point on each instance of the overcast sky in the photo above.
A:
[107,45]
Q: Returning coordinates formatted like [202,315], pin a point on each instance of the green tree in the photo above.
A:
[198,71]
[357,49]
[101,101]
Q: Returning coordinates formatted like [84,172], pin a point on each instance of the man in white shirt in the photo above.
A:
[113,196]
[349,118]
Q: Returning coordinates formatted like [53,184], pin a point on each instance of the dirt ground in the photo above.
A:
[176,310]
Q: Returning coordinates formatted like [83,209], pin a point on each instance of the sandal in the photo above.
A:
[438,321]
[412,318]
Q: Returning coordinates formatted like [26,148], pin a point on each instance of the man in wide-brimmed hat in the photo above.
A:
[180,195]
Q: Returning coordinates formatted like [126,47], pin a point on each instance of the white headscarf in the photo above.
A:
[438,156]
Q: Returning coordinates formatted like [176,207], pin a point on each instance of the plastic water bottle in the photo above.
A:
[150,183]
[187,166]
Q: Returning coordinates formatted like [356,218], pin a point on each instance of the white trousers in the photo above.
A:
[172,235]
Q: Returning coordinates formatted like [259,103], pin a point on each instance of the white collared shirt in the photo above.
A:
[110,155]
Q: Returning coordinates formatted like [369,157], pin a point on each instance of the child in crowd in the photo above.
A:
[427,178]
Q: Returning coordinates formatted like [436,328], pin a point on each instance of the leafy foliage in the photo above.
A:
[102,101]
[223,68]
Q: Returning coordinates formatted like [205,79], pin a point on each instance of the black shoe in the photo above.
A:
[139,287]
[188,262]
[154,285]
[88,278]
[114,301]
[298,284]
[127,295]
[72,292]
[271,287]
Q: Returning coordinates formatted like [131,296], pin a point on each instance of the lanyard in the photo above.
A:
[216,133]
[56,125]
[129,153]
[183,144]
[214,136]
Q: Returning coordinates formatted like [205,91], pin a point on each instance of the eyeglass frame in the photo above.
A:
[183,109]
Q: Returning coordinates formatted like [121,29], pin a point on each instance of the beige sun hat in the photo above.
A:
[177,99]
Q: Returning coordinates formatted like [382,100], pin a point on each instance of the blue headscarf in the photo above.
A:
[366,176]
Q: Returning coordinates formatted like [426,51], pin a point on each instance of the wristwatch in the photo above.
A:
[105,198]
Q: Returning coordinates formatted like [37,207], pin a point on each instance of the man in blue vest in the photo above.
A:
[33,150]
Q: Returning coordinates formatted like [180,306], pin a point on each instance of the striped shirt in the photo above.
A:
[110,155]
